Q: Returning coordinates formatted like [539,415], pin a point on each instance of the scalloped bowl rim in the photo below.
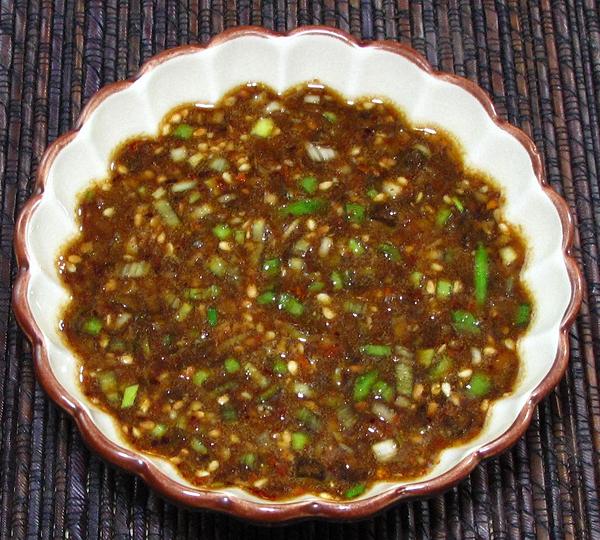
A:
[377,69]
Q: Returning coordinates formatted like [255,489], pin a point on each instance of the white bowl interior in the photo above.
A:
[281,62]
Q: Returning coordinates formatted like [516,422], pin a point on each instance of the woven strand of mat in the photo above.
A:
[540,63]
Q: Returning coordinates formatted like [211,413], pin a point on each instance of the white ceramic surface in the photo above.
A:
[427,100]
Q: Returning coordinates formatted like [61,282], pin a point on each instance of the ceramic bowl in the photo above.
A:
[204,73]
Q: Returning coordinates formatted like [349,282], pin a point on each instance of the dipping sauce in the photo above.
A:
[294,293]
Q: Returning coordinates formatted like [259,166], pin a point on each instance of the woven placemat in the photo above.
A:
[540,62]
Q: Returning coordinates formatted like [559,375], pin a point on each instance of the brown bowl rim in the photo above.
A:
[273,511]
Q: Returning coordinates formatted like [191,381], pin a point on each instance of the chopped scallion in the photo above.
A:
[200,377]
[263,127]
[389,251]
[465,322]
[443,216]
[479,385]
[198,446]
[404,379]
[231,365]
[167,213]
[129,396]
[222,231]
[309,184]
[363,385]
[271,267]
[217,266]
[337,281]
[383,390]
[212,315]
[183,131]
[158,431]
[481,274]
[523,315]
[291,304]
[299,440]
[355,491]
[443,288]
[376,350]
[92,326]
[304,207]
[356,246]
[355,212]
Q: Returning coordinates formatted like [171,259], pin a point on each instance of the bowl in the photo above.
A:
[204,73]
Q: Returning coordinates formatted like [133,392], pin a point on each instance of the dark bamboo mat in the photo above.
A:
[540,62]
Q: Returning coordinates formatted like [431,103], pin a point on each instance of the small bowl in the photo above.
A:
[204,73]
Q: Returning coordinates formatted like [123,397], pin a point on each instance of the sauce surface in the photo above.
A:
[294,293]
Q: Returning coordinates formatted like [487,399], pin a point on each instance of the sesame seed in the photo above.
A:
[328,313]
[323,298]
[292,366]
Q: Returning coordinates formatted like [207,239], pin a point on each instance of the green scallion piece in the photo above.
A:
[383,390]
[356,246]
[263,127]
[425,356]
[222,231]
[240,236]
[92,326]
[443,216]
[271,267]
[465,322]
[268,297]
[211,292]
[523,315]
[129,396]
[200,377]
[316,286]
[354,307]
[212,316]
[376,350]
[443,288]
[248,460]
[280,367]
[304,207]
[459,205]
[228,413]
[198,446]
[415,279]
[363,385]
[158,431]
[269,393]
[481,274]
[180,187]
[167,213]
[299,440]
[183,311]
[309,184]
[372,193]
[291,304]
[330,116]
[308,419]
[217,266]
[441,368]
[479,385]
[183,131]
[355,212]
[389,251]
[194,197]
[355,491]
[404,379]
[231,365]
[337,280]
